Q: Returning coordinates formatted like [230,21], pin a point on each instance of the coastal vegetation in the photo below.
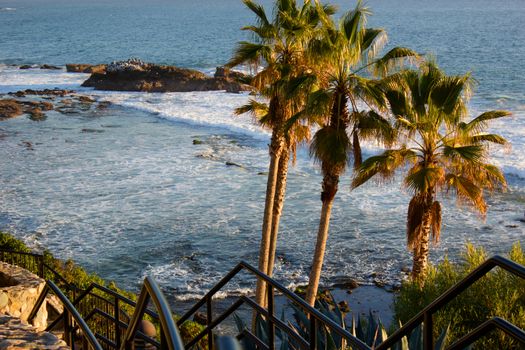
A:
[440,150]
[497,294]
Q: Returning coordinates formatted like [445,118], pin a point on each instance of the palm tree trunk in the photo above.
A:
[330,185]
[280,192]
[276,148]
[420,259]
[356,147]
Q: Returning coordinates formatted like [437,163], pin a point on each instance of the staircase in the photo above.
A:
[99,318]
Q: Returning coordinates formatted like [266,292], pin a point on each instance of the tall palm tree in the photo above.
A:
[439,150]
[343,52]
[279,48]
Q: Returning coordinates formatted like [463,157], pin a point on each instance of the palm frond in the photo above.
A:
[383,165]
[372,125]
[479,123]
[423,179]
[469,153]
[258,10]
[247,52]
[373,40]
[331,146]
[396,57]
[447,95]
[466,191]
[353,21]
[492,138]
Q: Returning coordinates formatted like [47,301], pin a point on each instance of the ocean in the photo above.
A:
[126,193]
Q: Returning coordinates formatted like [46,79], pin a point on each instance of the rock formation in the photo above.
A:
[135,75]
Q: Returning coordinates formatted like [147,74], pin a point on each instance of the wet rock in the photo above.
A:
[28,145]
[45,92]
[48,66]
[86,99]
[85,68]
[379,283]
[36,114]
[103,105]
[26,66]
[405,269]
[9,109]
[86,130]
[197,142]
[135,75]
[344,282]
[200,318]
[234,164]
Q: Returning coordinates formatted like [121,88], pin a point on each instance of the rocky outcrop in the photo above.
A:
[15,334]
[19,291]
[10,108]
[85,68]
[134,75]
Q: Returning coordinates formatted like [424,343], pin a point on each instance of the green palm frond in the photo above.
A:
[319,103]
[300,84]
[492,138]
[383,165]
[479,123]
[262,32]
[258,10]
[331,146]
[373,126]
[353,21]
[396,57]
[469,153]
[373,40]
[466,191]
[247,52]
[253,107]
[370,91]
[448,95]
[423,179]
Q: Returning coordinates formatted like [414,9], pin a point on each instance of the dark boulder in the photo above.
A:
[48,66]
[137,76]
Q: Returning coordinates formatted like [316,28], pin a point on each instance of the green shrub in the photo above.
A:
[497,294]
[8,242]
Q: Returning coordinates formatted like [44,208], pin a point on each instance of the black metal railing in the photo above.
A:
[425,316]
[73,321]
[317,319]
[108,307]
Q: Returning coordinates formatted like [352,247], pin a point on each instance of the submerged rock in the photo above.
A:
[135,75]
[48,66]
[10,109]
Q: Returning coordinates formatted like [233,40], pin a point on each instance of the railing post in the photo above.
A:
[313,333]
[117,322]
[209,320]
[68,334]
[427,331]
[271,326]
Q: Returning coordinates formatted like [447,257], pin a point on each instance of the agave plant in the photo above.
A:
[369,329]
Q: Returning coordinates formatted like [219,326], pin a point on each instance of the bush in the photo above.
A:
[497,294]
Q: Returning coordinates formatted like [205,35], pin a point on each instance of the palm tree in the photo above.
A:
[343,51]
[279,48]
[439,150]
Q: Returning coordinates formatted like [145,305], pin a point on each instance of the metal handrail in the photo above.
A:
[170,337]
[315,315]
[71,312]
[425,315]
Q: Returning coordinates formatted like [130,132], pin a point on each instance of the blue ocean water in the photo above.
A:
[139,198]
